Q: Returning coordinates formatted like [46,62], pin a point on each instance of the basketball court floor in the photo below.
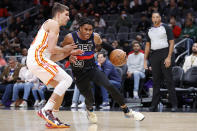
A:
[27,120]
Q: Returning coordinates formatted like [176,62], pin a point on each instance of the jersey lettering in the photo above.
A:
[79,64]
[85,47]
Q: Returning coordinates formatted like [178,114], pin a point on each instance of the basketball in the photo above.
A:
[118,57]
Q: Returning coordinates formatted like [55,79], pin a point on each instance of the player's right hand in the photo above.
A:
[145,65]
[69,48]
[73,59]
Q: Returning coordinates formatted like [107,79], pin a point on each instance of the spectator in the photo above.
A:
[115,44]
[135,6]
[24,56]
[12,24]
[8,78]
[156,7]
[102,8]
[191,61]
[125,46]
[40,88]
[123,20]
[175,28]
[112,74]
[77,98]
[172,9]
[135,2]
[24,82]
[190,16]
[143,25]
[91,9]
[8,5]
[75,23]
[140,40]
[147,4]
[28,22]
[190,30]
[135,63]
[19,26]
[98,21]
[125,6]
[2,60]
[112,9]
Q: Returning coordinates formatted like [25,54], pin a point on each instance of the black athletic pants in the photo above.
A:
[160,73]
[99,78]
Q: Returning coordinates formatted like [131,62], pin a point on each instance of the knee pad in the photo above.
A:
[64,80]
[64,83]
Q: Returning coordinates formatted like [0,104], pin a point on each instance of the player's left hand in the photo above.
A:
[167,62]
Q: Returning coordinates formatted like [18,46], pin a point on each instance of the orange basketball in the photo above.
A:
[118,57]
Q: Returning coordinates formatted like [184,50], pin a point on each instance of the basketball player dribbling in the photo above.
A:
[42,55]
[85,70]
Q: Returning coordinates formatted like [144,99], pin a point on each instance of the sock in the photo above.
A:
[125,109]
[90,109]
[55,112]
[50,104]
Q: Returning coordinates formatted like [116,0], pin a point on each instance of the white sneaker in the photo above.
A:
[13,104]
[42,103]
[92,117]
[74,105]
[135,95]
[36,103]
[23,104]
[137,115]
[82,105]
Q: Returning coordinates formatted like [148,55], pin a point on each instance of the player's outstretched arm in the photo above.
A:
[102,44]
[61,56]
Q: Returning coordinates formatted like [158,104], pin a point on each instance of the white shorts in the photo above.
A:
[46,70]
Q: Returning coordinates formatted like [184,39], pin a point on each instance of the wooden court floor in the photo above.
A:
[27,120]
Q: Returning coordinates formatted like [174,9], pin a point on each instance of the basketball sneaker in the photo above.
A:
[105,105]
[137,115]
[82,105]
[91,116]
[23,104]
[74,105]
[62,125]
[48,116]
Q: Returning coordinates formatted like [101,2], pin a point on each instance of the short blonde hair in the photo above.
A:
[57,7]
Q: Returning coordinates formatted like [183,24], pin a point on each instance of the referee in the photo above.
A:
[160,45]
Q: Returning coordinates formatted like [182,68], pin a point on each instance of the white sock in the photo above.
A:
[55,112]
[49,105]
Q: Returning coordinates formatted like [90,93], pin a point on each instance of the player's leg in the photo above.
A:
[101,79]
[64,82]
[85,89]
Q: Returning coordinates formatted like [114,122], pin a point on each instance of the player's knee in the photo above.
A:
[69,80]
[63,85]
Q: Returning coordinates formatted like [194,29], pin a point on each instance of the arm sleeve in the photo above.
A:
[107,47]
[169,32]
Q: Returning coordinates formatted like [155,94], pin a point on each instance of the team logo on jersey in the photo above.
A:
[79,64]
